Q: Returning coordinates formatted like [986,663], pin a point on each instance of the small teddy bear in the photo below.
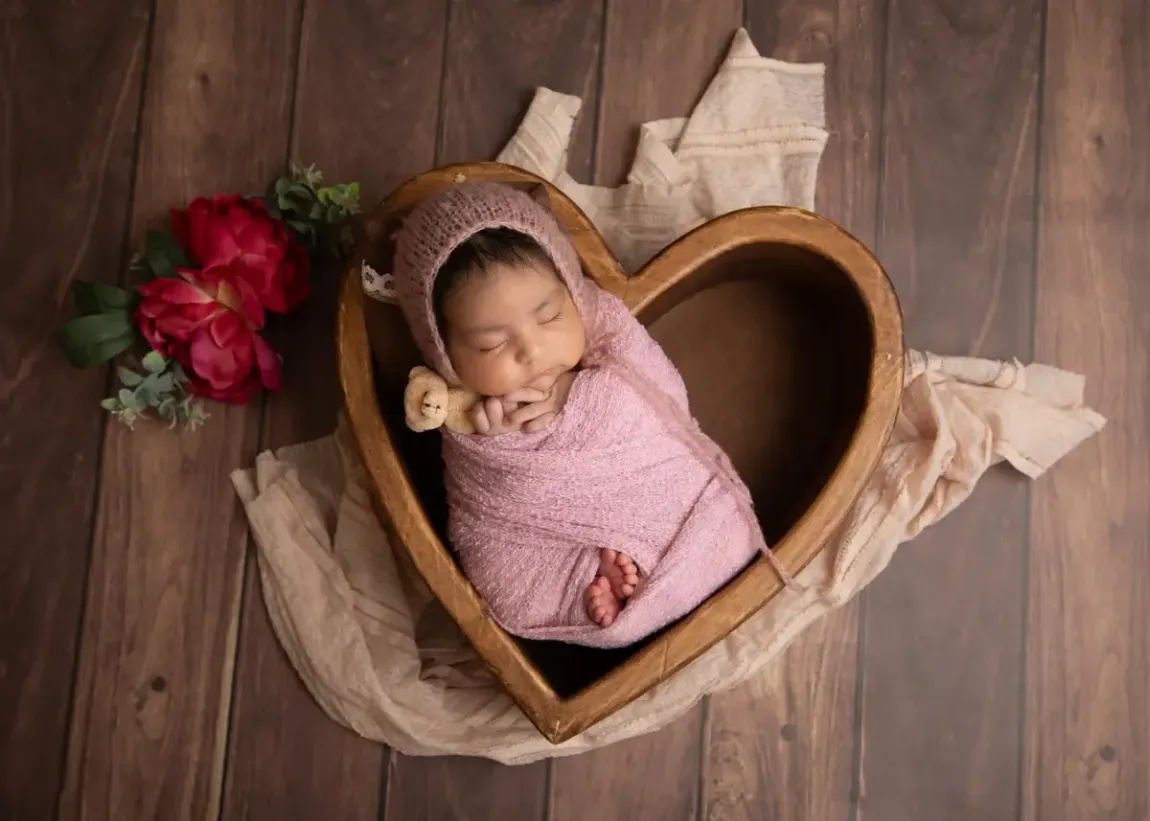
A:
[428,403]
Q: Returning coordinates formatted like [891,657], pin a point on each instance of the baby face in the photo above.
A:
[512,327]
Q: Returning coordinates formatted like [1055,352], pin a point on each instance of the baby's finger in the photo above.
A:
[494,408]
[540,422]
[532,411]
[479,419]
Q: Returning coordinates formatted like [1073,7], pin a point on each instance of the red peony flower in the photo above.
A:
[238,234]
[208,321]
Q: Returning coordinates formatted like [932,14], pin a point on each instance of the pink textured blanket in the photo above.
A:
[624,466]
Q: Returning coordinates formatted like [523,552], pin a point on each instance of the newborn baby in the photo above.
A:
[514,336]
[588,507]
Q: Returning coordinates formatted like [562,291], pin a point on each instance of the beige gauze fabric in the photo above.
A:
[381,656]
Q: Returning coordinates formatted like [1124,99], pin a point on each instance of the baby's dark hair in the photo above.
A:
[475,256]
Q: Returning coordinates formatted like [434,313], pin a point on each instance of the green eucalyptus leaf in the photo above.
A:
[110,404]
[129,377]
[344,195]
[98,298]
[91,340]
[161,383]
[145,397]
[154,362]
[129,401]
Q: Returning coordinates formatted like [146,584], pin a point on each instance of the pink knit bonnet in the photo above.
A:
[444,220]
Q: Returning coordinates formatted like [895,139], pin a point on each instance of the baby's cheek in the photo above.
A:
[490,375]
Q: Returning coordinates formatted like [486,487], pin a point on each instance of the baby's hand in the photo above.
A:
[492,416]
[535,416]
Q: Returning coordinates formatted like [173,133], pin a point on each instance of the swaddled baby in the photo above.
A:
[588,507]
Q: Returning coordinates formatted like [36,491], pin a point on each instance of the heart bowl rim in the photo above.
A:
[559,719]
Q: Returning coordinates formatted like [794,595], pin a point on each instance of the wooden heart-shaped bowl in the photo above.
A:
[789,337]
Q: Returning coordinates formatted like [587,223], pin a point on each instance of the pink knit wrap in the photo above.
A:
[623,466]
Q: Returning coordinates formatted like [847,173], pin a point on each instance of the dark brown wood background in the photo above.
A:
[996,153]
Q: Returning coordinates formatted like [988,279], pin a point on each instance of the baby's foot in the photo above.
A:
[615,583]
[602,604]
[620,571]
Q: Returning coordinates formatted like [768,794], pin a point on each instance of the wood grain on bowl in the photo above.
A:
[789,337]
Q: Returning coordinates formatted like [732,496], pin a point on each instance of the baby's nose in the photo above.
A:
[528,352]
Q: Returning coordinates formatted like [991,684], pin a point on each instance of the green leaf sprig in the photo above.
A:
[317,214]
[160,389]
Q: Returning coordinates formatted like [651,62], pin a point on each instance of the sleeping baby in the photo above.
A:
[588,507]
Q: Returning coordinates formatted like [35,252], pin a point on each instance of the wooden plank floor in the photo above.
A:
[996,153]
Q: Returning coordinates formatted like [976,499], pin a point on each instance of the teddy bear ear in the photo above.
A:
[378,286]
[415,414]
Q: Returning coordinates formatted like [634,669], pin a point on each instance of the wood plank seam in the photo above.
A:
[441,103]
[221,757]
[594,105]
[858,753]
[705,726]
[110,380]
[1032,344]
[857,787]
